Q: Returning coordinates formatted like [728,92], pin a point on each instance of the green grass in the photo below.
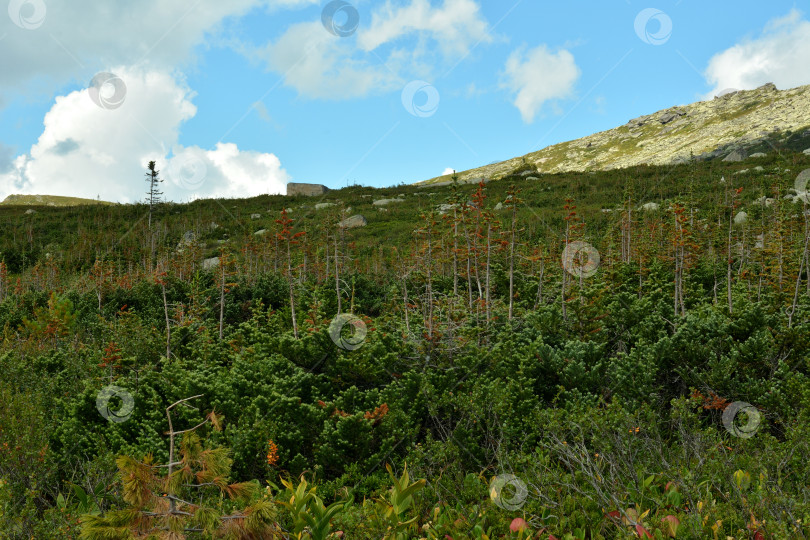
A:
[49,200]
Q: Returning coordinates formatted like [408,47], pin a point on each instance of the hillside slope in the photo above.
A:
[730,126]
[48,200]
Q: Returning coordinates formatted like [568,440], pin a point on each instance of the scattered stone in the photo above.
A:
[213,226]
[529,173]
[210,264]
[379,209]
[667,118]
[744,171]
[741,218]
[321,206]
[308,190]
[532,178]
[764,201]
[446,208]
[758,155]
[30,211]
[607,210]
[289,210]
[499,206]
[260,232]
[353,222]
[188,239]
[366,196]
[649,207]
[255,216]
[760,243]
[806,152]
[386,202]
[736,155]
[759,169]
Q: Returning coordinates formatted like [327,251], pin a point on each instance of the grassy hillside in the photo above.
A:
[48,200]
[590,355]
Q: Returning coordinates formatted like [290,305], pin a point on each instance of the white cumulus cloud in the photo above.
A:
[88,151]
[780,54]
[455,25]
[399,43]
[320,65]
[537,76]
[76,38]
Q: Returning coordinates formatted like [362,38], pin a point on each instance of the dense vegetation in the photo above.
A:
[448,371]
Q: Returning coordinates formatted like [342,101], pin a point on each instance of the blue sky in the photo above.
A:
[236,99]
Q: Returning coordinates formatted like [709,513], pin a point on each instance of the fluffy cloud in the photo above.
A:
[73,38]
[455,25]
[781,54]
[88,151]
[320,65]
[537,76]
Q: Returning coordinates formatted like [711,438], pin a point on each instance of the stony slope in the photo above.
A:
[729,127]
[48,200]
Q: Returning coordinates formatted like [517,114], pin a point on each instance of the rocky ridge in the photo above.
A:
[727,127]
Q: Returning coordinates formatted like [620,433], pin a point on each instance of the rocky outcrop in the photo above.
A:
[308,190]
[353,222]
[386,202]
[728,126]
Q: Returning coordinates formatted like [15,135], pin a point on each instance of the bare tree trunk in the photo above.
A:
[455,253]
[292,290]
[405,303]
[222,302]
[802,266]
[512,261]
[487,281]
[337,279]
[565,276]
[172,433]
[540,285]
[168,326]
[430,280]
[728,263]
[469,269]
